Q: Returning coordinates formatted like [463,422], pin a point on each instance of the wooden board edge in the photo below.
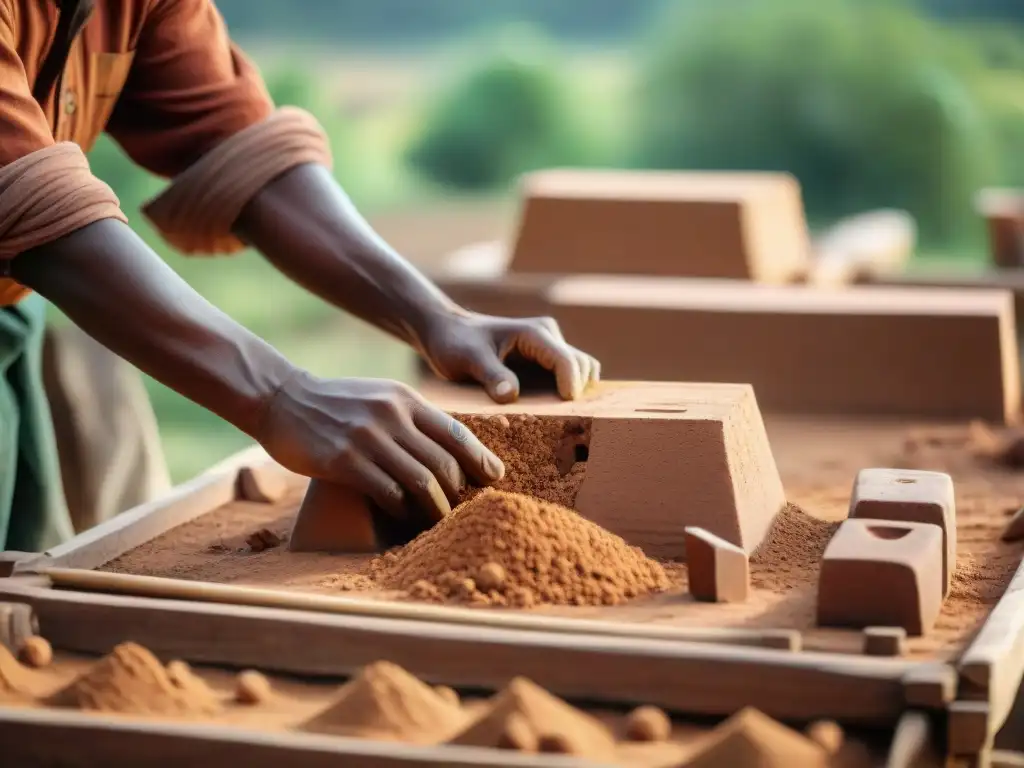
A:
[688,678]
[113,538]
[48,737]
[992,667]
[179,589]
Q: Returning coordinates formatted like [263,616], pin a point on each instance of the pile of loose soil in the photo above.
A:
[790,555]
[508,549]
[15,680]
[751,739]
[543,457]
[131,680]
[385,702]
[526,717]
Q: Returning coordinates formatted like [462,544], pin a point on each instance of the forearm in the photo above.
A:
[306,226]
[109,282]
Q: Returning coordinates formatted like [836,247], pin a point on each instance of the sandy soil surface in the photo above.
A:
[817,459]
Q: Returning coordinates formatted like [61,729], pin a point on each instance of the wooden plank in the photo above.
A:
[911,741]
[682,677]
[992,667]
[75,740]
[930,686]
[121,534]
[152,586]
[969,730]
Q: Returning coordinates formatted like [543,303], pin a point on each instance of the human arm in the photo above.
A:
[308,228]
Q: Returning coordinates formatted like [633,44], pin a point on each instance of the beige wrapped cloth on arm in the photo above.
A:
[197,211]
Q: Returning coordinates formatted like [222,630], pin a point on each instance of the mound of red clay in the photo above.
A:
[508,549]
[15,679]
[131,680]
[384,702]
[527,717]
[750,739]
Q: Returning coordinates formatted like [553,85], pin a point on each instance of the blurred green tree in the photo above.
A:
[867,103]
[509,111]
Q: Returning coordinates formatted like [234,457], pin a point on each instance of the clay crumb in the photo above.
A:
[827,734]
[525,714]
[16,681]
[131,680]
[506,549]
[385,702]
[448,694]
[263,539]
[36,652]
[750,738]
[252,687]
[648,724]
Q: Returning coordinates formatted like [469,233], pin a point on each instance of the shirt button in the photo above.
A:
[70,102]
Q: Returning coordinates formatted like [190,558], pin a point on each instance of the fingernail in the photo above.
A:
[503,388]
[493,466]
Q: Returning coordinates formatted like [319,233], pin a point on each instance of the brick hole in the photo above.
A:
[905,480]
[887,532]
[581,453]
[659,410]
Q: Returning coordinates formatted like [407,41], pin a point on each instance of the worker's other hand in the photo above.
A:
[466,345]
[378,437]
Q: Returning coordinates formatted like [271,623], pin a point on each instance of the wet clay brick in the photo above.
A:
[911,496]
[718,572]
[885,641]
[335,519]
[748,226]
[882,573]
[660,457]
[863,351]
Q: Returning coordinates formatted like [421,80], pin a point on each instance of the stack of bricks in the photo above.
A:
[667,276]
[891,563]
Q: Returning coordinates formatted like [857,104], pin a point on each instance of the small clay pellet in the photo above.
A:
[448,694]
[251,687]
[518,735]
[827,734]
[490,577]
[36,652]
[179,672]
[648,724]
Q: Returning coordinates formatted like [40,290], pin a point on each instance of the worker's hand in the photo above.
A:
[378,437]
[466,345]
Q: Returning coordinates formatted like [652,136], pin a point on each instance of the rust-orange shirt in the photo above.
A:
[161,76]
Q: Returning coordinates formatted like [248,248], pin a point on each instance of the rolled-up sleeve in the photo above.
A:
[195,109]
[46,188]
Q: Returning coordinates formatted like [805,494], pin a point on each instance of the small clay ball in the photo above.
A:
[490,577]
[251,687]
[501,421]
[826,734]
[648,724]
[518,735]
[179,672]
[448,694]
[36,652]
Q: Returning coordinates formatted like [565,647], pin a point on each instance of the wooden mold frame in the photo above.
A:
[688,671]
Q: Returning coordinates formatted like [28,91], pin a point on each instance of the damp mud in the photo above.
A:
[547,460]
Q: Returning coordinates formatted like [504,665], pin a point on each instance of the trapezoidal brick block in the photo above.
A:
[748,226]
[644,460]
[913,496]
[882,573]
[718,572]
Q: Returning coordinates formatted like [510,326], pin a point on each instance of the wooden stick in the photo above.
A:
[152,586]
[121,534]
[699,678]
[911,741]
[47,737]
[992,667]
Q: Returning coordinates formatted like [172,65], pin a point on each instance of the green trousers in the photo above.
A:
[33,512]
